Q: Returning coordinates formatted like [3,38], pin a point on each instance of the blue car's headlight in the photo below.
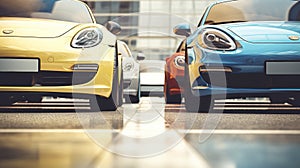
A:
[86,38]
[214,39]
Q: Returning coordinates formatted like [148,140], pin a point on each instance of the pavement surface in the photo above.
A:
[65,133]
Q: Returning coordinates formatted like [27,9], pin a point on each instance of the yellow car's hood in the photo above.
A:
[32,27]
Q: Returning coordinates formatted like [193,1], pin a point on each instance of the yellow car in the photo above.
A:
[55,48]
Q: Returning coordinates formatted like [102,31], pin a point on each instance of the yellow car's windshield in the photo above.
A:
[65,10]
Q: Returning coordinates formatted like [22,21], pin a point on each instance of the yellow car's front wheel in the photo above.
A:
[106,104]
[113,101]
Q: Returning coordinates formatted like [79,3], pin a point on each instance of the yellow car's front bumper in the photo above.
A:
[55,55]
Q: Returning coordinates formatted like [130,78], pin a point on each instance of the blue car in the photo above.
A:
[240,49]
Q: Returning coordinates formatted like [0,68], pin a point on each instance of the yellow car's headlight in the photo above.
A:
[86,38]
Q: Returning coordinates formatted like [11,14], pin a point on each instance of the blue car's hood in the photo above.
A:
[266,32]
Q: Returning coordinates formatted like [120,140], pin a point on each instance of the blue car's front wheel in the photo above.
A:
[197,103]
[194,102]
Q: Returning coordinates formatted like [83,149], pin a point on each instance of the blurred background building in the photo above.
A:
[147,24]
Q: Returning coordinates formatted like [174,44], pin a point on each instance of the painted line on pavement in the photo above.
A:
[192,131]
[59,130]
[241,132]
[256,108]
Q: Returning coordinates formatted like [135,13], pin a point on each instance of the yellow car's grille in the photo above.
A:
[16,79]
[45,78]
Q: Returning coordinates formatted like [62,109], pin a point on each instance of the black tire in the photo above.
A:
[111,103]
[194,103]
[170,99]
[102,104]
[120,91]
[106,104]
[134,99]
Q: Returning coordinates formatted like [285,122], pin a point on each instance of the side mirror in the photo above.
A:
[140,56]
[182,29]
[113,27]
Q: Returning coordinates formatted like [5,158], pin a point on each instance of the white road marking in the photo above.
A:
[174,105]
[256,108]
[242,132]
[166,108]
[50,99]
[191,131]
[46,108]
[49,103]
[257,100]
[59,130]
[261,105]
[52,104]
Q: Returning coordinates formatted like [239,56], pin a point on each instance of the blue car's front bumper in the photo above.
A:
[244,71]
[222,92]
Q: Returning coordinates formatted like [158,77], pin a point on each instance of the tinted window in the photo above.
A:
[65,10]
[254,10]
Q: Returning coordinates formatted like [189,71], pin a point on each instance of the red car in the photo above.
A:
[174,73]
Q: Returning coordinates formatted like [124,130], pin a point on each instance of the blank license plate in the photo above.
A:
[283,68]
[19,65]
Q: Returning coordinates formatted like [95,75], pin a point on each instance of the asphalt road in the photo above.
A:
[57,133]
[53,114]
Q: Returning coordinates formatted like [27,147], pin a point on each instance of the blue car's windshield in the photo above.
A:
[65,10]
[254,10]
